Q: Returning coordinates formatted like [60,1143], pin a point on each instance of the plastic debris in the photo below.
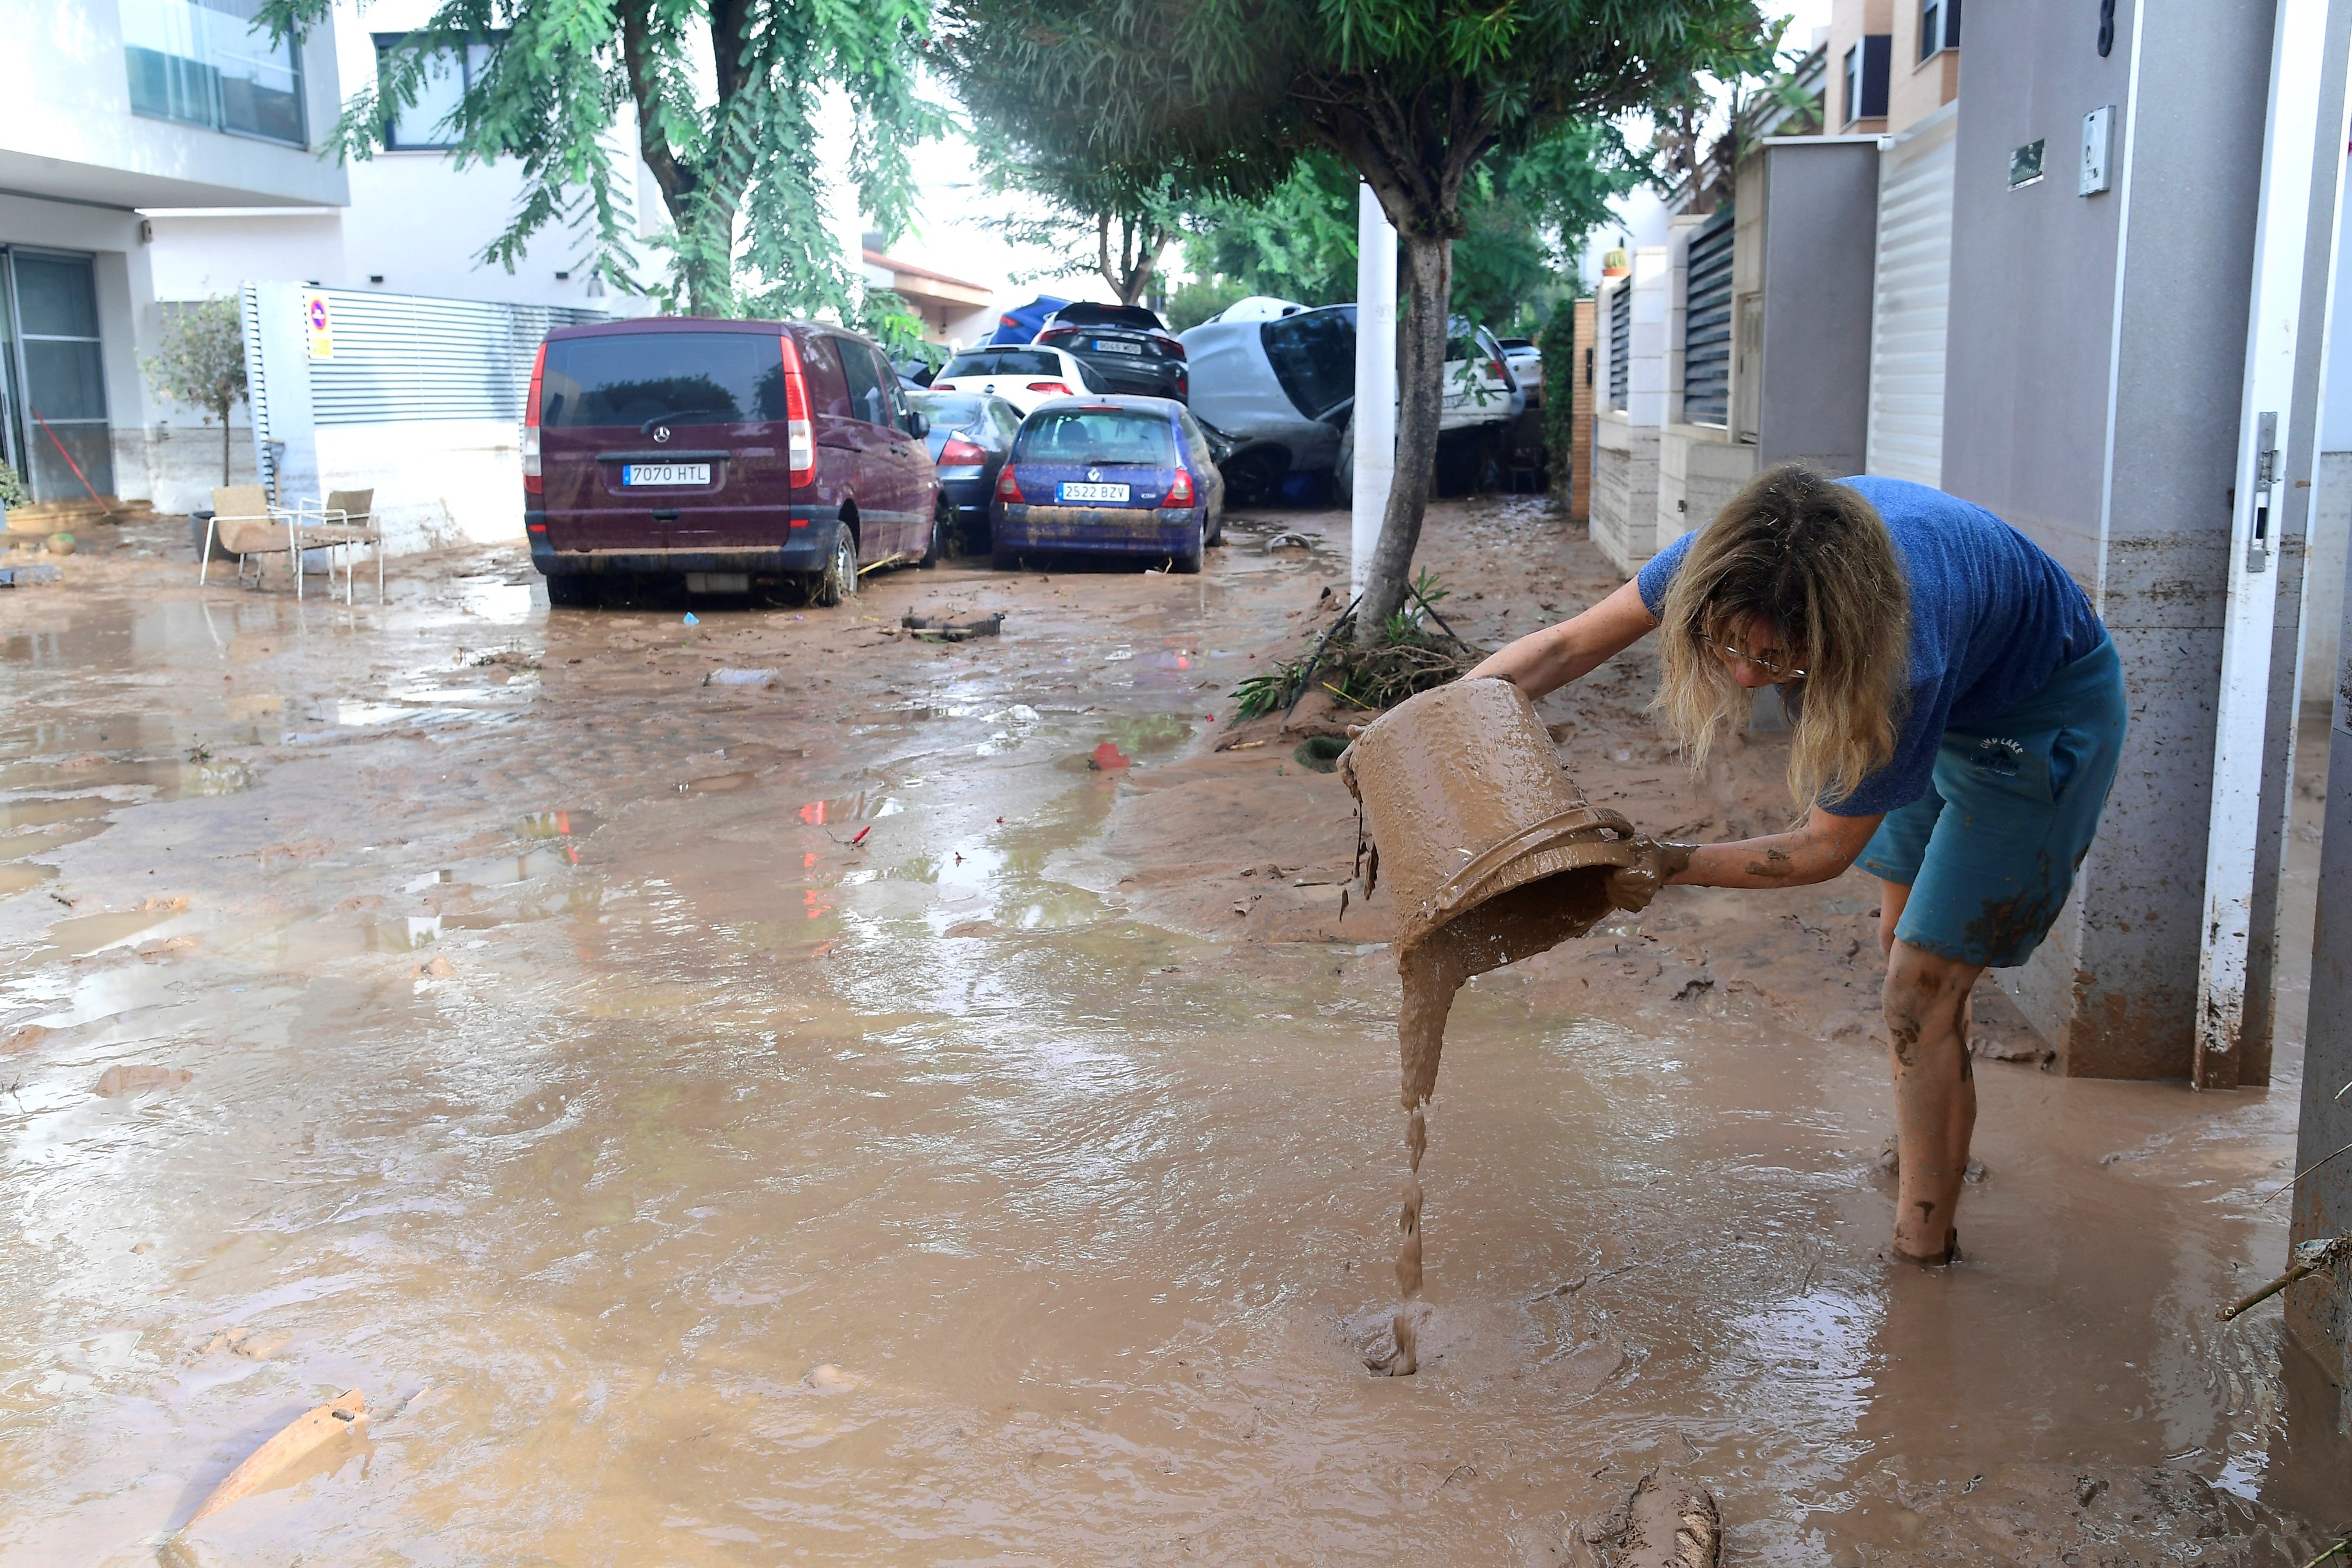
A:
[346,1412]
[19,576]
[61,544]
[1108,758]
[861,837]
[692,619]
[740,677]
[932,629]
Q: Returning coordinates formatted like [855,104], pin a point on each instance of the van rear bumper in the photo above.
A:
[804,551]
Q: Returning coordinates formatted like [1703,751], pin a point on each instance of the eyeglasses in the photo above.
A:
[1769,666]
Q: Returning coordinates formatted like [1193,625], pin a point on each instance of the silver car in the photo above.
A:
[1280,390]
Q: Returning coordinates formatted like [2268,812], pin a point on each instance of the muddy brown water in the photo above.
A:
[1089,1210]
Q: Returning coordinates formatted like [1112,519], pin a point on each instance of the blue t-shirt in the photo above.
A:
[1991,619]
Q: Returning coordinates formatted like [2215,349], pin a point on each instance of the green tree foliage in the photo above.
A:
[200,362]
[1524,220]
[727,96]
[1412,95]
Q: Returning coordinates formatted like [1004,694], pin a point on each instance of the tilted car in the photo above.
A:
[1024,377]
[728,455]
[1129,350]
[971,434]
[1115,476]
[1283,391]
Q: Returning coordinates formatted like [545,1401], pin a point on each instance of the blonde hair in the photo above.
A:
[1814,558]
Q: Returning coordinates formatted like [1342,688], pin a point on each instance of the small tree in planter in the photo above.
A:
[203,362]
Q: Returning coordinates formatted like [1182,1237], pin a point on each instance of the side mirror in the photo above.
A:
[919,423]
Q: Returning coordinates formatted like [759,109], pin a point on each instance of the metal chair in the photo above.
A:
[345,519]
[244,524]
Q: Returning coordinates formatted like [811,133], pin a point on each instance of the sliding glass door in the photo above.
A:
[53,420]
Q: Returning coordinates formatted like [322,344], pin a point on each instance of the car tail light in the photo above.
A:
[961,453]
[1055,334]
[1495,369]
[1007,487]
[534,479]
[1057,389]
[944,386]
[1168,346]
[1180,491]
[800,429]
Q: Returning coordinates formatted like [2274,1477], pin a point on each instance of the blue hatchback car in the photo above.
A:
[1110,476]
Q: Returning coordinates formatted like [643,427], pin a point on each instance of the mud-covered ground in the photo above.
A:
[824,1119]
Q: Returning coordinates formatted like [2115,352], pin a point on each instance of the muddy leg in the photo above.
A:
[1892,897]
[1927,1002]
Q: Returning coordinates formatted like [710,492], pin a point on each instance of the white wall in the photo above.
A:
[67,128]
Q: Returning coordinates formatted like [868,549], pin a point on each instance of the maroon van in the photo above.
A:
[732,454]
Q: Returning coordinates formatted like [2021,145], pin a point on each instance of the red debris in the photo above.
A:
[1108,757]
[861,837]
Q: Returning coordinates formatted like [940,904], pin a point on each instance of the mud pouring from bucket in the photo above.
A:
[1492,855]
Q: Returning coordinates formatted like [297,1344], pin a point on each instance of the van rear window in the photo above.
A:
[1098,435]
[678,378]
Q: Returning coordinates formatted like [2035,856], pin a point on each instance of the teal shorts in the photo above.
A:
[1989,853]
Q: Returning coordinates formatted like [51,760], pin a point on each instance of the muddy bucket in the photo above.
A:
[1489,849]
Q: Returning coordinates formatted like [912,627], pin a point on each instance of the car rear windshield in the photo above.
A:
[1115,436]
[678,378]
[1314,356]
[1002,361]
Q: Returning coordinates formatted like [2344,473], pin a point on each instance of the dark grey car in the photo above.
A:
[971,433]
[1126,346]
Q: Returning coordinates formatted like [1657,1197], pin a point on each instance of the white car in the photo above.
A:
[1024,376]
[1526,360]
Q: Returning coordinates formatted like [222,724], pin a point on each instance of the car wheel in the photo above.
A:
[572,592]
[837,584]
[1189,564]
[942,529]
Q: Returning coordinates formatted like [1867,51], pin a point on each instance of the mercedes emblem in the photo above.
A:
[661,432]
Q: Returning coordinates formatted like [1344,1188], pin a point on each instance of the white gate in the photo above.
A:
[1910,301]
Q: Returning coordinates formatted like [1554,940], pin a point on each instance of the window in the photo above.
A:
[1314,357]
[1022,361]
[1865,76]
[642,379]
[1105,436]
[430,123]
[206,62]
[867,401]
[1621,343]
[1939,26]
[1706,324]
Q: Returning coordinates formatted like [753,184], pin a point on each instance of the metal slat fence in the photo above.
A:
[399,358]
[1707,324]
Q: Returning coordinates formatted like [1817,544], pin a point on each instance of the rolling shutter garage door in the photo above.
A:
[1909,303]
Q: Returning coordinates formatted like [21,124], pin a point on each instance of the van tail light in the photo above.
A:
[1008,489]
[800,429]
[960,453]
[1057,389]
[1169,347]
[534,477]
[1180,491]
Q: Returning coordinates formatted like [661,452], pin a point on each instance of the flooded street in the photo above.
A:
[824,1119]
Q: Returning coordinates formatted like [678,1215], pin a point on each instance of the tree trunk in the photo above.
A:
[1421,401]
[225,447]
